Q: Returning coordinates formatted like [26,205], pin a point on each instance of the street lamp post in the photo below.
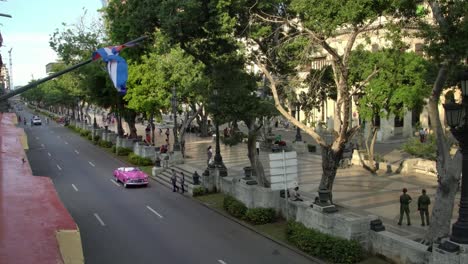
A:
[298,130]
[94,119]
[176,146]
[459,128]
[218,159]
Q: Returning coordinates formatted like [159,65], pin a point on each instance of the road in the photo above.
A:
[138,225]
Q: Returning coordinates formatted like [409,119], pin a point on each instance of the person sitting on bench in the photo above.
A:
[295,194]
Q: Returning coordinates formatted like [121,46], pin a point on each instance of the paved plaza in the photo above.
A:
[356,191]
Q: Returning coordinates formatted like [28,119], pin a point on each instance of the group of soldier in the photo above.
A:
[423,207]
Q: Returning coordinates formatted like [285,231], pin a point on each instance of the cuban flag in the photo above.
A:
[116,66]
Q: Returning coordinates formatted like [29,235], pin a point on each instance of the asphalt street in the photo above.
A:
[138,225]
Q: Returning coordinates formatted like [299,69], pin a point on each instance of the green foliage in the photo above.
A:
[401,82]
[234,207]
[425,150]
[122,151]
[260,216]
[234,139]
[333,249]
[85,133]
[89,136]
[199,191]
[227,201]
[113,148]
[96,139]
[138,160]
[105,144]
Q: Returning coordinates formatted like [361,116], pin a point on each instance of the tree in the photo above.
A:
[445,32]
[400,82]
[152,80]
[275,23]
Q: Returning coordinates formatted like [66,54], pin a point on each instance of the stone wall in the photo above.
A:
[398,249]
[344,224]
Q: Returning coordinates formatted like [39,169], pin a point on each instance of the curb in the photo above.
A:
[251,228]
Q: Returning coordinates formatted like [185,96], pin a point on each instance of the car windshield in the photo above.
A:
[130,169]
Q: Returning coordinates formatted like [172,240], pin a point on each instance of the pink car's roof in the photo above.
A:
[132,172]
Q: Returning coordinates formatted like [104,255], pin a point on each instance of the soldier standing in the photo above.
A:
[175,188]
[182,182]
[423,207]
[405,200]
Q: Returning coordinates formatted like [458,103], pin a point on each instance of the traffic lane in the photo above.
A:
[227,239]
[119,230]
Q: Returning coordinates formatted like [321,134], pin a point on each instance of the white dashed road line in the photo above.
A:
[37,138]
[58,167]
[74,187]
[92,164]
[114,182]
[48,153]
[221,261]
[77,152]
[99,219]
[154,212]
[42,145]
[66,143]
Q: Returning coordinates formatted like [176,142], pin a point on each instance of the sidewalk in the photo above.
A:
[355,191]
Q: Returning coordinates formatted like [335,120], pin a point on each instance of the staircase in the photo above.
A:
[163,176]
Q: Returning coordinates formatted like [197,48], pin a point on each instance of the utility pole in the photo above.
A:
[11,71]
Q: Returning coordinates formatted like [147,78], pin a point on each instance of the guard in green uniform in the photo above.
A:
[405,200]
[423,207]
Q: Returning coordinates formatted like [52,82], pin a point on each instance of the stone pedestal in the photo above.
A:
[157,170]
[208,180]
[300,147]
[407,126]
[176,157]
[149,152]
[112,137]
[97,132]
[326,208]
[449,253]
[124,143]
[137,148]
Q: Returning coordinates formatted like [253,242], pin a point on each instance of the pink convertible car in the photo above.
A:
[130,176]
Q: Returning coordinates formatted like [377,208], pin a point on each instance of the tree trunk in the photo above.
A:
[187,121]
[130,118]
[120,130]
[442,211]
[330,161]
[448,169]
[203,124]
[370,164]
[152,129]
[88,117]
[255,162]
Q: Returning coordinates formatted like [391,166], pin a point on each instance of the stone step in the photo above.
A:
[164,177]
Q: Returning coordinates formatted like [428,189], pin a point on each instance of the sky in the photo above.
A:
[29,30]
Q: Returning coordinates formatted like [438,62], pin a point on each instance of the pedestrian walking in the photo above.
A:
[209,153]
[182,182]
[175,188]
[405,200]
[423,207]
[167,133]
[257,146]
[421,135]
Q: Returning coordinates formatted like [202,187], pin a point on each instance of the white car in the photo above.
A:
[36,121]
